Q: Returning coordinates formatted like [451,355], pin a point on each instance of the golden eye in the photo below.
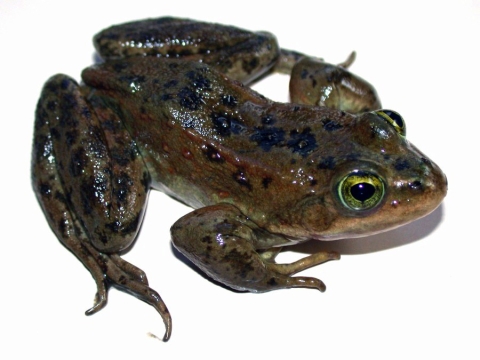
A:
[361,190]
[393,119]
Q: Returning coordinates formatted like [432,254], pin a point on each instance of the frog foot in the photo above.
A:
[283,272]
[289,58]
[123,275]
[349,61]
[101,296]
[225,244]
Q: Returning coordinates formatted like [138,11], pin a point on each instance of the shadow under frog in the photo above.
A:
[169,110]
[405,235]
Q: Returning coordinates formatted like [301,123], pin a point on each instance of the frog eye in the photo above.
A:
[393,119]
[361,190]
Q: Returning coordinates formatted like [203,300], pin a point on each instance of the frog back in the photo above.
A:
[207,139]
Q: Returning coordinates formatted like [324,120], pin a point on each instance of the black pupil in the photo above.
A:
[395,117]
[362,191]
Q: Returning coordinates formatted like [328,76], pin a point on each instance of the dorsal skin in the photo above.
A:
[254,149]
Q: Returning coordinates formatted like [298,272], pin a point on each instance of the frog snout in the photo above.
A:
[429,191]
[439,182]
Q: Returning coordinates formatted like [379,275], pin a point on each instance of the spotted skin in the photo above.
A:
[260,174]
[92,185]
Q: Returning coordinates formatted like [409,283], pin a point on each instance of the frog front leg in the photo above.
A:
[314,82]
[226,245]
[92,185]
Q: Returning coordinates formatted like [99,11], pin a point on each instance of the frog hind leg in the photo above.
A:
[222,242]
[56,127]
[53,200]
[239,54]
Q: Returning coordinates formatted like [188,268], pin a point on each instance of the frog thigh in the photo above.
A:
[103,177]
[223,242]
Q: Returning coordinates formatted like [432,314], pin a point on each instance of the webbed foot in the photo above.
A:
[125,276]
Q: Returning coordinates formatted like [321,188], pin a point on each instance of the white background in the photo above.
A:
[412,293]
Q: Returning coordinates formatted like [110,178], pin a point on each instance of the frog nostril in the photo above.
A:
[415,185]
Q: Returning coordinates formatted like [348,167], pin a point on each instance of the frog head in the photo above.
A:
[377,180]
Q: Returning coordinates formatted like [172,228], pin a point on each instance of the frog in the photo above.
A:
[170,108]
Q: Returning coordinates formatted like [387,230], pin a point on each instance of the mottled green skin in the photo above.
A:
[262,174]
